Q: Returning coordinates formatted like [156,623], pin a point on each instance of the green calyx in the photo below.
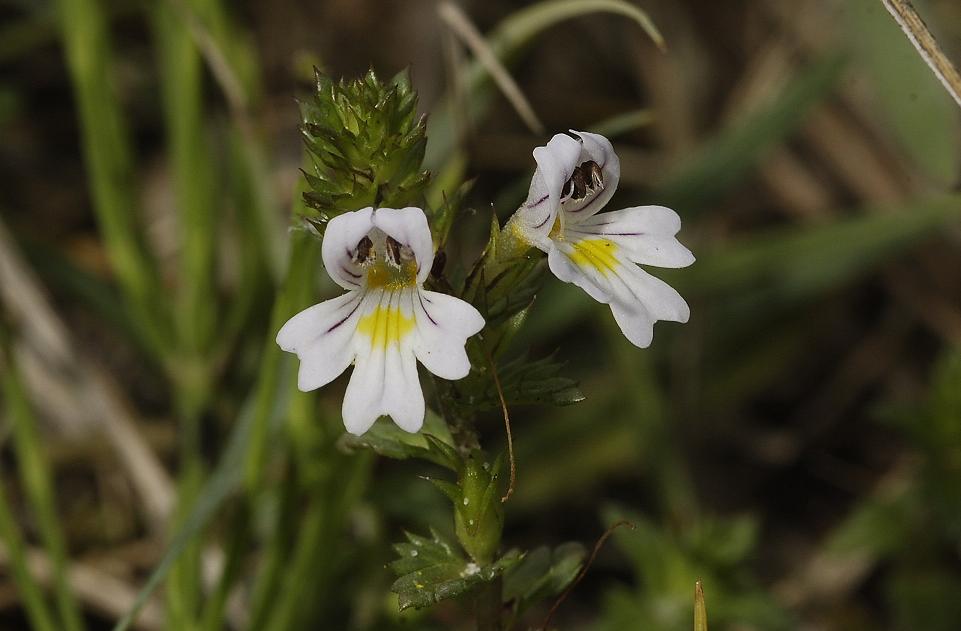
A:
[366,143]
[478,512]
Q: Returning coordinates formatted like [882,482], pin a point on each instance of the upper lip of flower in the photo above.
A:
[575,174]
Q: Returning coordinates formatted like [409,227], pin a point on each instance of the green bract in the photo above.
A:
[366,144]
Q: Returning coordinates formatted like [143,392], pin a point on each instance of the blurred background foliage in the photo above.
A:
[797,445]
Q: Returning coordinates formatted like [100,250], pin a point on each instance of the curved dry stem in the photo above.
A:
[461,26]
[507,426]
[580,575]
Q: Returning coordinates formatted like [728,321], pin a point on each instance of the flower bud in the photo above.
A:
[366,143]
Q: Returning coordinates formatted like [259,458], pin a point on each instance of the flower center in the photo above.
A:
[391,265]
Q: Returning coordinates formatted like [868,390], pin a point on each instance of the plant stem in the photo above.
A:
[34,603]
[488,606]
[38,486]
[922,39]
[107,156]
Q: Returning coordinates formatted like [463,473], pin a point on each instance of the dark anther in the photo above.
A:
[363,250]
[393,250]
[586,178]
[597,176]
[579,180]
[440,260]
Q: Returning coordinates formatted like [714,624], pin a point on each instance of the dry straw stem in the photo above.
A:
[700,609]
[94,587]
[919,34]
[461,26]
[580,575]
[94,396]
[507,428]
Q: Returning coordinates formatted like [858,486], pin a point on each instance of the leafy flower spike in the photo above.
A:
[600,253]
[384,323]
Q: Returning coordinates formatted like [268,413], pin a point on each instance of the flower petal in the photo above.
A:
[652,300]
[365,391]
[566,270]
[343,234]
[597,148]
[322,336]
[644,234]
[409,227]
[384,381]
[636,298]
[443,325]
[555,163]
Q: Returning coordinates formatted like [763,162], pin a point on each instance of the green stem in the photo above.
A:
[37,610]
[36,478]
[182,90]
[236,550]
[107,154]
[278,552]
[488,606]
[303,257]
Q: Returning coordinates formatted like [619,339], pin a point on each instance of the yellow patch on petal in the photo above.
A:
[392,277]
[385,326]
[596,253]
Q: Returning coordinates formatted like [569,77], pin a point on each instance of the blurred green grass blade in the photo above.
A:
[11,105]
[259,208]
[62,274]
[31,596]
[236,550]
[184,588]
[735,151]
[797,264]
[23,36]
[37,482]
[506,41]
[277,550]
[754,362]
[181,86]
[908,98]
[295,294]
[307,590]
[223,482]
[256,238]
[37,609]
[108,159]
[623,123]
[40,28]
[247,451]
[266,404]
[781,267]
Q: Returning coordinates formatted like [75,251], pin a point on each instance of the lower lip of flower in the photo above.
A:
[385,326]
[595,253]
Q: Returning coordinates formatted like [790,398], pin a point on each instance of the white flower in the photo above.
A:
[384,323]
[601,253]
